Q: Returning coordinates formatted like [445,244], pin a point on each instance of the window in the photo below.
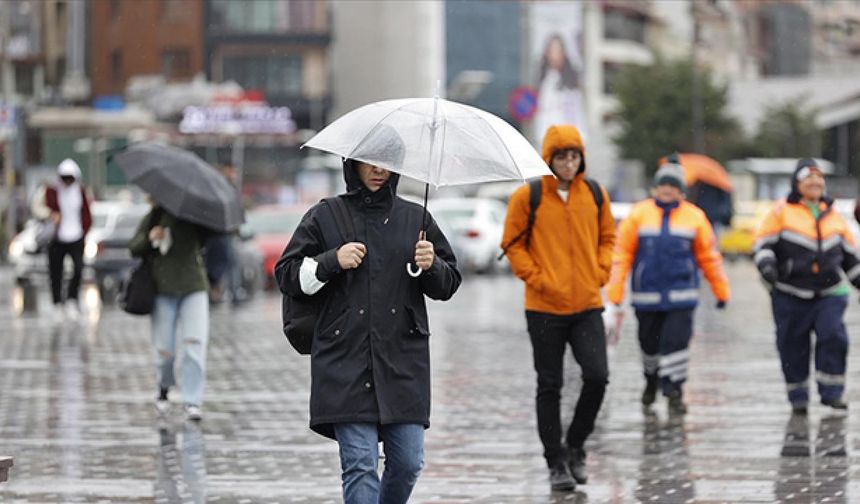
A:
[175,63]
[624,25]
[116,66]
[264,16]
[274,75]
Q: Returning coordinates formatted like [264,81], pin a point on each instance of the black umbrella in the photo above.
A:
[184,185]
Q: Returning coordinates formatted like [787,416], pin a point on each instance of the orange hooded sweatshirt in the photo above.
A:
[570,252]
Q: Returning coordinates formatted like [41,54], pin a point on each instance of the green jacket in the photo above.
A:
[181,270]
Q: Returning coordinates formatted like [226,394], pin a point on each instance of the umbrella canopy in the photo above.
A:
[703,169]
[436,141]
[184,185]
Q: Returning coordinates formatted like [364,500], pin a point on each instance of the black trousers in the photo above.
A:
[664,337]
[57,252]
[550,334]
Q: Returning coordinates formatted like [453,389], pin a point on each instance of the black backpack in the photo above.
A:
[534,201]
[300,314]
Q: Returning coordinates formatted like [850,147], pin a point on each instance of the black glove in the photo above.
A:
[769,272]
[721,305]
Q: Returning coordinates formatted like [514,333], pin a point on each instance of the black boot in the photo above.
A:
[576,461]
[836,404]
[676,403]
[649,395]
[560,479]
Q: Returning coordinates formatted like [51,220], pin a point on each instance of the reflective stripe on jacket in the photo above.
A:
[812,256]
[665,245]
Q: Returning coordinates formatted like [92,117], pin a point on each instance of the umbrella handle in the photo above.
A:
[413,274]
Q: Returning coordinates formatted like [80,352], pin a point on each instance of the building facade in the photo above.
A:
[129,38]
[279,48]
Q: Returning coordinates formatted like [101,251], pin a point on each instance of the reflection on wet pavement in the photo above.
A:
[76,412]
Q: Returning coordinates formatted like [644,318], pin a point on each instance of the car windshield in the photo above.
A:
[271,222]
[128,221]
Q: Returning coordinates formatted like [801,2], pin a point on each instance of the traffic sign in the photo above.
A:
[522,103]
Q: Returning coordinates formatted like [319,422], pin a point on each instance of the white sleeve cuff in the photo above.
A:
[308,277]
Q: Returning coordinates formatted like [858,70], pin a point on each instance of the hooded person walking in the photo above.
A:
[370,362]
[804,251]
[665,241]
[559,233]
[67,205]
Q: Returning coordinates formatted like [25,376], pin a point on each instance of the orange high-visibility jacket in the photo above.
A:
[809,254]
[665,245]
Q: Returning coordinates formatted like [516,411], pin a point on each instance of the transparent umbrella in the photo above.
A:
[432,140]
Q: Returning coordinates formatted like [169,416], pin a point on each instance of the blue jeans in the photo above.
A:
[403,445]
[189,316]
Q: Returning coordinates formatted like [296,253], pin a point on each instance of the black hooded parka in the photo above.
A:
[370,359]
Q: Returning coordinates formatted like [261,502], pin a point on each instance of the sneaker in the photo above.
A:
[162,406]
[56,314]
[576,460]
[560,479]
[649,395]
[836,404]
[676,403]
[73,311]
[193,413]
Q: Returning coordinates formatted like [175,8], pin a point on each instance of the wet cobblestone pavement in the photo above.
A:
[76,412]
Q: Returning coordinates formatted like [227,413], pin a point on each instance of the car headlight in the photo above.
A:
[91,250]
[16,249]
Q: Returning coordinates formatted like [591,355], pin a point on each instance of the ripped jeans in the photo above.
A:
[188,316]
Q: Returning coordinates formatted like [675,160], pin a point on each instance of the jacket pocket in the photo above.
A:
[334,329]
[416,323]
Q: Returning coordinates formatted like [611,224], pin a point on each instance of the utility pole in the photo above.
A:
[8,111]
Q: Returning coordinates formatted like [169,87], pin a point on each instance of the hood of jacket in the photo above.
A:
[794,196]
[559,137]
[69,168]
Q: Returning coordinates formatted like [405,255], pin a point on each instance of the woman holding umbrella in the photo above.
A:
[181,303]
[191,201]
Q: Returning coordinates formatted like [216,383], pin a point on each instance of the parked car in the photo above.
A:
[738,239]
[269,228]
[474,226]
[250,269]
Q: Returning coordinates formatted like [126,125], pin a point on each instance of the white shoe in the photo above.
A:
[162,406]
[56,314]
[73,311]
[193,413]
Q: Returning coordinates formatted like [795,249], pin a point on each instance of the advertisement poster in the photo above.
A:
[556,42]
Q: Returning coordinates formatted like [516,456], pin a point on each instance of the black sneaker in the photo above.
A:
[799,408]
[576,461]
[837,404]
[560,479]
[649,395]
[676,403]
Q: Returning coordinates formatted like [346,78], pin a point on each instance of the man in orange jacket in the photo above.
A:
[562,249]
[665,241]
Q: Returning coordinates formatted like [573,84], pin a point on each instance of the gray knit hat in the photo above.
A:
[671,174]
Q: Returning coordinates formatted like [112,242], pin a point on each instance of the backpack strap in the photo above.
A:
[535,190]
[342,218]
[597,193]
